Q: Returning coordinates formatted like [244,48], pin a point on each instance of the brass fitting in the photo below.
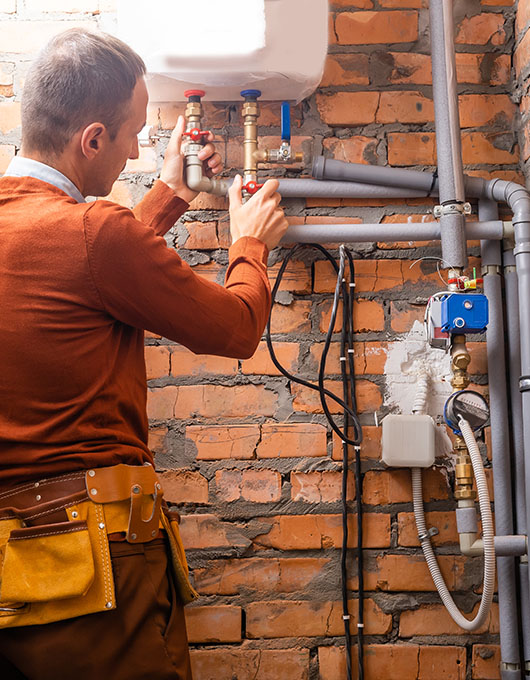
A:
[459,362]
[250,140]
[193,115]
[463,471]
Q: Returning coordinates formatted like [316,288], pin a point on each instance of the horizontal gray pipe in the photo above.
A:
[329,169]
[312,188]
[361,233]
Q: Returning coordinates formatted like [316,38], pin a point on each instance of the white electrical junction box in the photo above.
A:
[225,46]
[408,440]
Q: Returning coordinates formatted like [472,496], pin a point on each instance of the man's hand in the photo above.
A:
[261,217]
[173,168]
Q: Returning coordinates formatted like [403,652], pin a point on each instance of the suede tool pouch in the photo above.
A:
[47,562]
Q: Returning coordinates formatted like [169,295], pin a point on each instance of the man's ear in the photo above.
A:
[92,140]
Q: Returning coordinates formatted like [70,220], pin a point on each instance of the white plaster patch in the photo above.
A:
[407,360]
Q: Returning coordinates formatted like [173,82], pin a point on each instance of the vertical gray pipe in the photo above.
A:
[448,141]
[514,362]
[500,449]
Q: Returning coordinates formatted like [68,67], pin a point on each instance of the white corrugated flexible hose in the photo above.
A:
[487,537]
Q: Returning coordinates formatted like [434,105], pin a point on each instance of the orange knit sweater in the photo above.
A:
[79,282]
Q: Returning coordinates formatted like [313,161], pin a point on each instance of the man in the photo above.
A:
[79,282]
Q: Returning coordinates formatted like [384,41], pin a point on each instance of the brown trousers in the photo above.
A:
[144,638]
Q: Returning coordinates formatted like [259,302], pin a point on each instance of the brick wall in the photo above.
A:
[248,457]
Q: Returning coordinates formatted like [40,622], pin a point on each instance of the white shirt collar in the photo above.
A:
[27,167]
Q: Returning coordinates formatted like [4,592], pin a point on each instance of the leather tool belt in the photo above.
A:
[54,547]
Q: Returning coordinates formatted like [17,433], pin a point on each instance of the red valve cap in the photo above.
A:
[194,93]
[252,187]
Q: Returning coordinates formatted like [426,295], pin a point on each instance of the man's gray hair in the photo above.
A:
[80,77]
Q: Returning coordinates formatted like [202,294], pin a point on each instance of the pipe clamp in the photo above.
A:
[432,531]
[524,383]
[451,209]
[523,247]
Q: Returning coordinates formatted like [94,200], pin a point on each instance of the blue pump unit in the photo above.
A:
[464,313]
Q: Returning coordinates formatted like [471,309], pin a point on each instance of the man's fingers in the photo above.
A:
[234,193]
[269,188]
[206,152]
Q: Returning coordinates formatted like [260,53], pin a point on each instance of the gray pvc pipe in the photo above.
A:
[514,361]
[500,444]
[518,199]
[312,188]
[447,121]
[330,169]
[361,233]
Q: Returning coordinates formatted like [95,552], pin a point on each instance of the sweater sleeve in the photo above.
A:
[160,208]
[143,283]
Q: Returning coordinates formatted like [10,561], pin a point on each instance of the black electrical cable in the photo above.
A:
[350,418]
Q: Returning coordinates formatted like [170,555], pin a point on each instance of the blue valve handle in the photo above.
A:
[286,122]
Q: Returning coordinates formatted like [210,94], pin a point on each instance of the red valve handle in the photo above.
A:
[252,187]
[195,134]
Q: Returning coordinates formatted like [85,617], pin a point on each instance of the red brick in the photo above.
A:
[403,316]
[280,575]
[479,358]
[442,662]
[184,486]
[345,69]
[480,148]
[445,522]
[258,486]
[481,29]
[7,152]
[199,532]
[308,401]
[348,108]
[9,116]
[479,110]
[213,623]
[353,150]
[522,18]
[219,443]
[291,318]
[476,69]
[417,4]
[435,619]
[283,618]
[388,661]
[315,532]
[383,487]
[261,363]
[486,662]
[156,361]
[361,4]
[521,55]
[266,664]
[296,278]
[161,402]
[286,440]
[404,107]
[368,358]
[216,401]
[395,573]
[157,440]
[369,28]
[206,201]
[411,148]
[368,315]
[370,446]
[319,487]
[202,236]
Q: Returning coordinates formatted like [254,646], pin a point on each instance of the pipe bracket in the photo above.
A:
[432,531]
[523,247]
[524,383]
[451,209]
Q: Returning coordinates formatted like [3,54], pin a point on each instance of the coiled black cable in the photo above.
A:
[350,419]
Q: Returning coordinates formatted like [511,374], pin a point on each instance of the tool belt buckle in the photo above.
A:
[141,530]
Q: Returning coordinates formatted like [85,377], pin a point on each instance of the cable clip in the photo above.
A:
[346,617]
[524,383]
[360,625]
[433,531]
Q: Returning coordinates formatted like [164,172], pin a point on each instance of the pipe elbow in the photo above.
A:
[196,181]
